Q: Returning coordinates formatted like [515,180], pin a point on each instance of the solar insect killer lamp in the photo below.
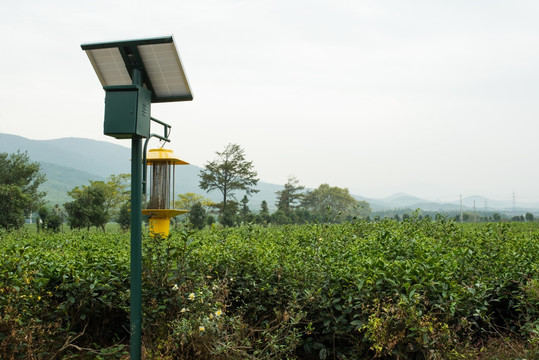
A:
[160,207]
[135,74]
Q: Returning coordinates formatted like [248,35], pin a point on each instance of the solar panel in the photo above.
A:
[109,67]
[157,58]
[161,62]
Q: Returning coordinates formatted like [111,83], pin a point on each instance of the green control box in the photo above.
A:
[127,111]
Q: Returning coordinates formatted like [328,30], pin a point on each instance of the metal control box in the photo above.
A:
[127,111]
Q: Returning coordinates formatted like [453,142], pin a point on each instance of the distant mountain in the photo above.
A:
[91,156]
[402,200]
[395,201]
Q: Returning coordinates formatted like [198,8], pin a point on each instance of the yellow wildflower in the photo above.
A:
[192,296]
[201,328]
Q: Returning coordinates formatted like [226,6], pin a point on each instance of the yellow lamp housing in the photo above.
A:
[160,207]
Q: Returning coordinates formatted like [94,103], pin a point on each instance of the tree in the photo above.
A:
[362,210]
[289,198]
[279,217]
[55,219]
[19,188]
[43,214]
[88,207]
[107,200]
[187,200]
[197,216]
[116,191]
[229,216]
[330,202]
[245,212]
[210,220]
[529,216]
[228,173]
[264,211]
[49,219]
[77,213]
[124,216]
[264,215]
[12,203]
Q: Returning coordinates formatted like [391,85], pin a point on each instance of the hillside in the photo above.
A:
[61,179]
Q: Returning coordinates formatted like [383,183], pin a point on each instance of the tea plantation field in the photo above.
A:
[417,289]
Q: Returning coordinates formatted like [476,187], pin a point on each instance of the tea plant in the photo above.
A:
[388,289]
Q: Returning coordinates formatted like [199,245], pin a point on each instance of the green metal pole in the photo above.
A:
[136,241]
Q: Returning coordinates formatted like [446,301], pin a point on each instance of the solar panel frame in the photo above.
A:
[158,59]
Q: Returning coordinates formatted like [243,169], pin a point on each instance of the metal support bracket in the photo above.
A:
[166,134]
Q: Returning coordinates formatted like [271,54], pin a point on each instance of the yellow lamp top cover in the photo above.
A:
[163,155]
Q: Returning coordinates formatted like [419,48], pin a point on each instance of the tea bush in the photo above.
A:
[74,286]
[417,289]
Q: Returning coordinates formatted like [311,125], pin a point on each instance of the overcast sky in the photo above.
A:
[433,98]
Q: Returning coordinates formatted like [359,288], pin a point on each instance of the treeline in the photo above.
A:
[339,206]
[100,202]
[230,173]
[465,216]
